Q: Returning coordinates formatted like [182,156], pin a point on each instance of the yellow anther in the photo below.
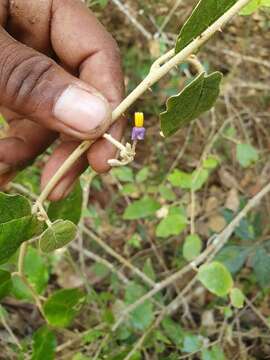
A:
[139,119]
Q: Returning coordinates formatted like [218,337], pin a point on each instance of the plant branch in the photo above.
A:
[151,79]
[22,253]
[119,258]
[102,261]
[10,332]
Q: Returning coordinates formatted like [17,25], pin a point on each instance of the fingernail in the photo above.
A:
[81,110]
[4,168]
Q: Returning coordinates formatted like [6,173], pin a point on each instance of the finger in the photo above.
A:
[98,62]
[65,185]
[87,46]
[35,86]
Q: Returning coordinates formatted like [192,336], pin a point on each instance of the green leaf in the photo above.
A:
[199,178]
[192,343]
[195,99]
[142,175]
[69,208]
[192,247]
[167,193]
[5,283]
[261,267]
[143,315]
[13,207]
[181,179]
[215,353]
[36,270]
[44,346]
[135,241]
[173,224]
[233,257]
[100,270]
[210,163]
[253,6]
[174,331]
[62,307]
[58,235]
[141,209]
[103,3]
[149,270]
[216,278]
[237,298]
[3,313]
[92,335]
[204,15]
[193,181]
[123,173]
[15,232]
[20,290]
[246,155]
[129,189]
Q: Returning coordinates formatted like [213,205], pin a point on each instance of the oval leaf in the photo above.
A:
[15,232]
[44,345]
[196,98]
[237,298]
[141,209]
[216,278]
[57,236]
[204,15]
[173,224]
[13,207]
[246,155]
[62,307]
[192,247]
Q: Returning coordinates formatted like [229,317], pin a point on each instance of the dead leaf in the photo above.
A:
[227,179]
[212,203]
[217,223]
[232,201]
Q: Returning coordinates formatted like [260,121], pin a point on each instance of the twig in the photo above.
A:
[102,261]
[23,251]
[119,258]
[10,332]
[21,189]
[123,8]
[170,15]
[210,252]
[33,292]
[254,60]
[257,312]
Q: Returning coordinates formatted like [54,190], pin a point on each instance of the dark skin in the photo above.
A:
[46,87]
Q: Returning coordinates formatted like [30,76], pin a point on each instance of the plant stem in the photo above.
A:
[23,251]
[154,76]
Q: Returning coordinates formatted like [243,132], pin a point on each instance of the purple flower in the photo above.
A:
[138,133]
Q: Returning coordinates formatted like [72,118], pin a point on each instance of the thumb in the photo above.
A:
[35,86]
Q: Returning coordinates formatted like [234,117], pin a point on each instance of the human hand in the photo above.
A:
[60,76]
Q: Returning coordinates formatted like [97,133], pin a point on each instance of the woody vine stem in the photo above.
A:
[159,69]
